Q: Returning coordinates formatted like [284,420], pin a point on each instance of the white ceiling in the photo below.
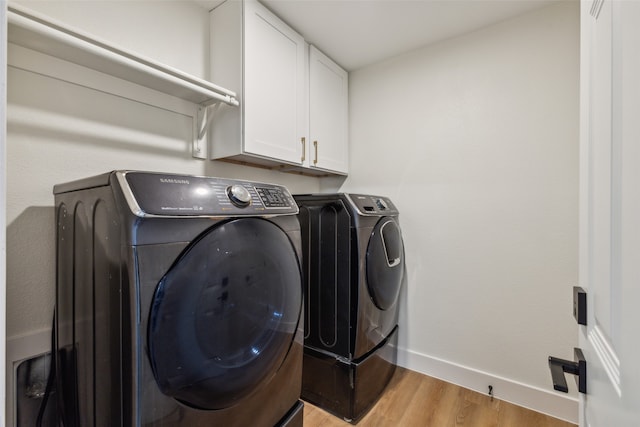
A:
[356,33]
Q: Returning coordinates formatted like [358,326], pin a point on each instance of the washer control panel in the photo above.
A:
[372,205]
[157,194]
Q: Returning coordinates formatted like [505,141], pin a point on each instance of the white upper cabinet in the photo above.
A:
[328,114]
[263,59]
[293,113]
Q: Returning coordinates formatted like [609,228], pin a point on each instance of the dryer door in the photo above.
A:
[224,316]
[385,263]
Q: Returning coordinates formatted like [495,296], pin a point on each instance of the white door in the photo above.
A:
[610,211]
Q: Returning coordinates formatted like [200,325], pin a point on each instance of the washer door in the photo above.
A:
[224,317]
[385,263]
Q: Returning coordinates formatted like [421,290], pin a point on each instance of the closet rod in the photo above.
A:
[36,32]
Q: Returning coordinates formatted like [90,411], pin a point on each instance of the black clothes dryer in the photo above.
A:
[353,268]
[178,301]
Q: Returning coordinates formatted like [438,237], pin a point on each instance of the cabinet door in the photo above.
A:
[328,113]
[274,66]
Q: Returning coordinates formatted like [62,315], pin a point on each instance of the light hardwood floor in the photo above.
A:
[415,400]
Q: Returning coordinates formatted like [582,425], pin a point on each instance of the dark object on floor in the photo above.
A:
[31,384]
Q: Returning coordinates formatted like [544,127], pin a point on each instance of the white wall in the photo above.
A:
[173,32]
[476,140]
[60,131]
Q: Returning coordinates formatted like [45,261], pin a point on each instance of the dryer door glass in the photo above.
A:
[385,263]
[224,317]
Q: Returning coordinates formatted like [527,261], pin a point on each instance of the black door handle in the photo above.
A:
[578,367]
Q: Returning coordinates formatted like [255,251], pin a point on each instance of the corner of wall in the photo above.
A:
[3,225]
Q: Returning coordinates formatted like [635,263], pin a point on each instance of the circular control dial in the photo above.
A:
[239,196]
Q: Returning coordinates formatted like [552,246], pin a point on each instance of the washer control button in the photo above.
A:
[381,205]
[239,195]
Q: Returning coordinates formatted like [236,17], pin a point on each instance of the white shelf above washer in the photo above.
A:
[37,32]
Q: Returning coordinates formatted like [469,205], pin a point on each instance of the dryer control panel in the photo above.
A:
[372,205]
[156,194]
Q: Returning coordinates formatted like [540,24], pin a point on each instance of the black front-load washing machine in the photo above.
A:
[178,302]
[353,268]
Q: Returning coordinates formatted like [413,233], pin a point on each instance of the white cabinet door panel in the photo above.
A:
[273,86]
[328,113]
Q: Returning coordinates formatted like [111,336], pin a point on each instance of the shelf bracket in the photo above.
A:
[204,116]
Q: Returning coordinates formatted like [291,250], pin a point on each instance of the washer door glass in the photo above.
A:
[385,263]
[224,317]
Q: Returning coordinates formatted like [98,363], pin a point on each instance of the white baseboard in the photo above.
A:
[539,400]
